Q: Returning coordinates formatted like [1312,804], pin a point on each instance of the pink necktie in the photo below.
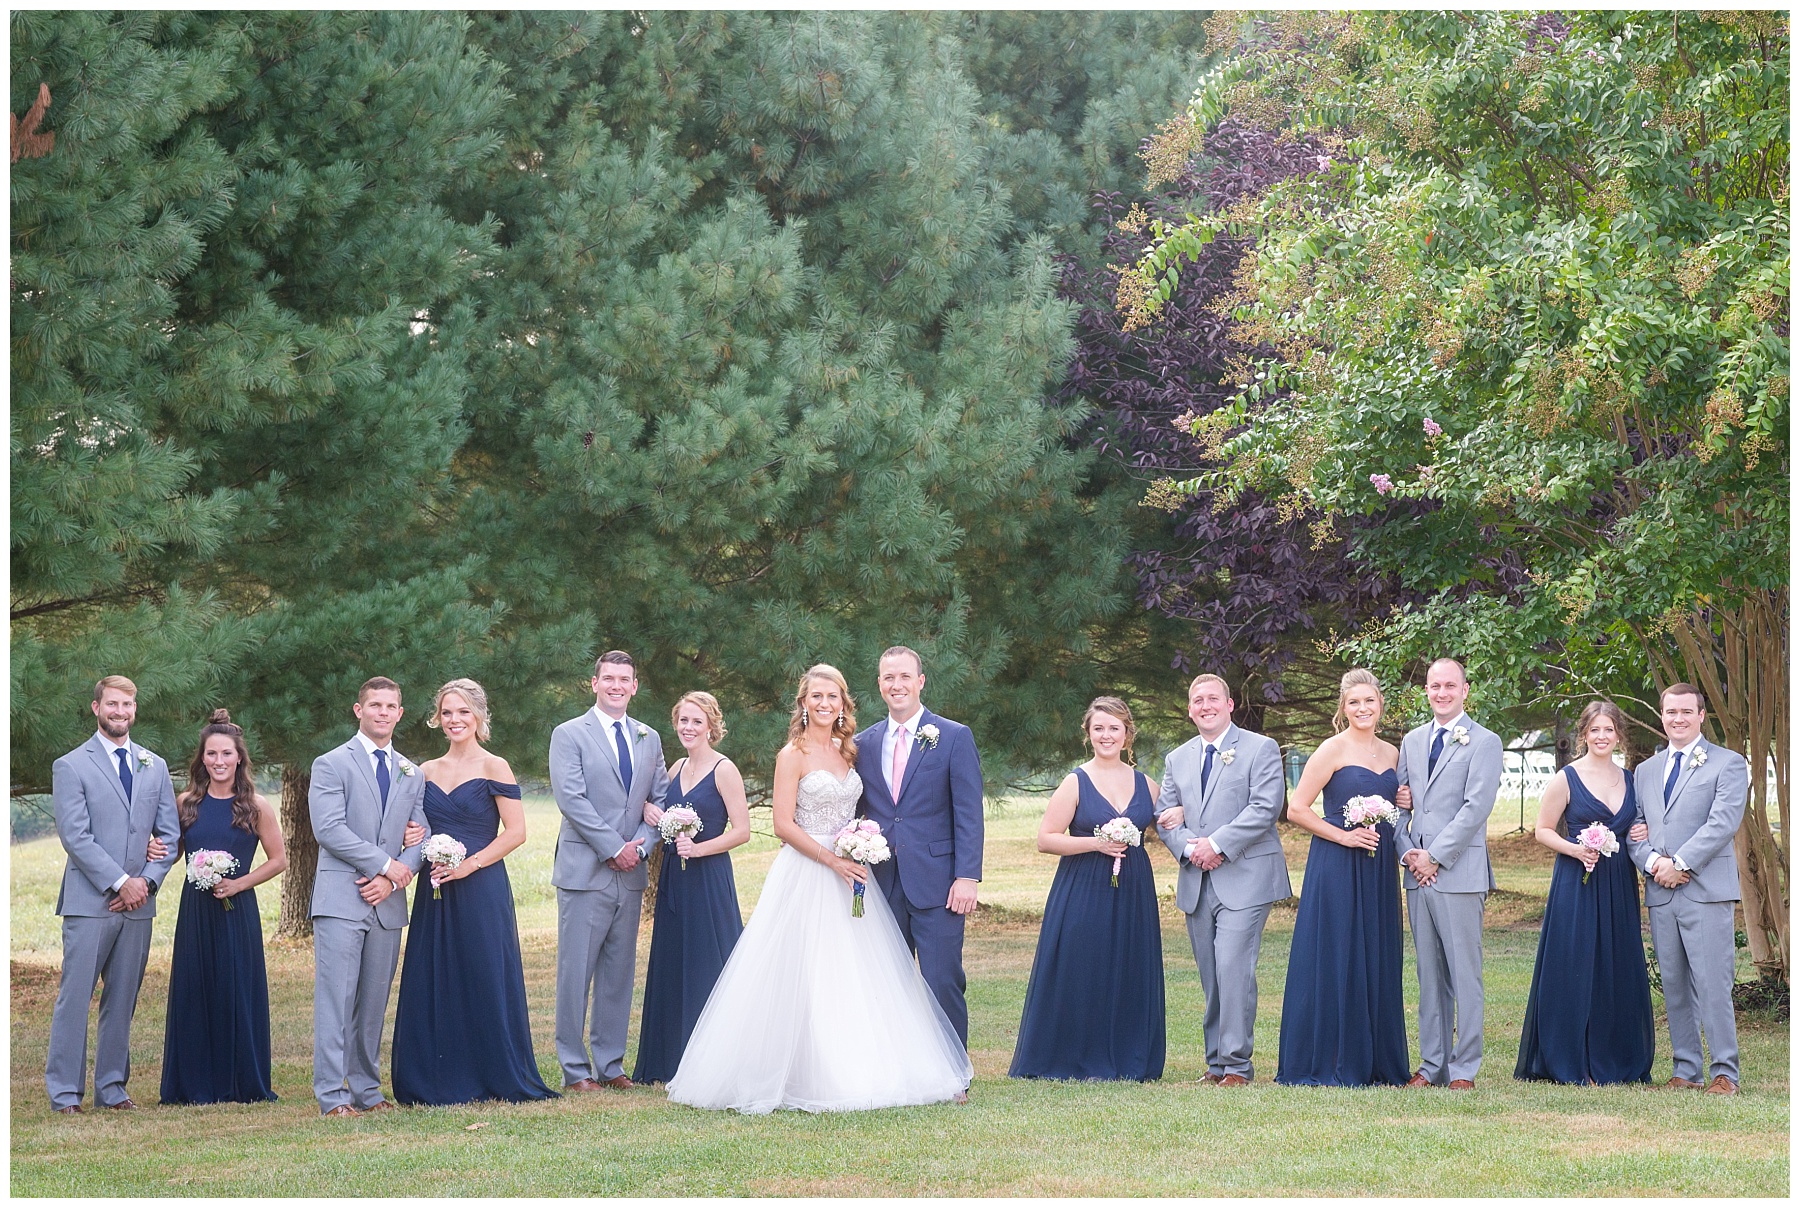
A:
[901,747]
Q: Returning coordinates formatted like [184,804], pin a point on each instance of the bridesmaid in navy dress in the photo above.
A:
[697,917]
[462,1032]
[216,1035]
[1588,1020]
[1343,1020]
[1094,1005]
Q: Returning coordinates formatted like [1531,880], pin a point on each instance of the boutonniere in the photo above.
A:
[144,758]
[928,736]
[1699,759]
[406,769]
[642,732]
[1225,757]
[1460,735]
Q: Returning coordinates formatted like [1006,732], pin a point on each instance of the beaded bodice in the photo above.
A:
[823,803]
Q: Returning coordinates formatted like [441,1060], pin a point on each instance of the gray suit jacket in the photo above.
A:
[104,834]
[601,814]
[1237,812]
[1698,824]
[1450,806]
[357,836]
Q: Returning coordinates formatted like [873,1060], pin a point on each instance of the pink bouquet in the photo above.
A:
[206,868]
[678,820]
[441,851]
[1119,830]
[1597,836]
[1370,812]
[863,842]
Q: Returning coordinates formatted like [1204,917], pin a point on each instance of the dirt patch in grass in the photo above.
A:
[1513,911]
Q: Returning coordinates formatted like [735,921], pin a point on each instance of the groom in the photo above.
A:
[921,781]
[1221,794]
[1452,767]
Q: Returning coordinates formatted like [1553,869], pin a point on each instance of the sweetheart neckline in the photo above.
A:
[841,780]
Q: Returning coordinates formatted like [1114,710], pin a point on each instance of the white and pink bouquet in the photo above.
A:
[863,842]
[206,868]
[441,851]
[1119,830]
[1597,836]
[1370,811]
[678,820]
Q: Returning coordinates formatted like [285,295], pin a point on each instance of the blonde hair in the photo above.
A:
[1209,678]
[843,730]
[470,691]
[1356,677]
[1112,706]
[709,709]
[117,683]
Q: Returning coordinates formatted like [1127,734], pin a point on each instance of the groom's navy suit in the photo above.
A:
[935,833]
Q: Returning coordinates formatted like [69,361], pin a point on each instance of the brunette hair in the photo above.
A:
[709,709]
[376,683]
[244,814]
[615,656]
[1356,677]
[1682,689]
[1599,708]
[843,730]
[470,691]
[1112,706]
[116,682]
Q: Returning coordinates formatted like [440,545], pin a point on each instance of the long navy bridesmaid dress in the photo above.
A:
[216,1036]
[1589,1018]
[1343,1019]
[1094,1005]
[698,922]
[462,1032]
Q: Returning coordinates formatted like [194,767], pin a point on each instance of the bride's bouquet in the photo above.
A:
[442,852]
[1119,830]
[678,820]
[206,868]
[1370,811]
[863,842]
[1597,836]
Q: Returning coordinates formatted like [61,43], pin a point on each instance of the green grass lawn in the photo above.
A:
[1013,1138]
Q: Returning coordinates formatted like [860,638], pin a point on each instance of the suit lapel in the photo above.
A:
[917,757]
[639,758]
[1227,742]
[1687,772]
[875,736]
[603,738]
[1451,747]
[102,753]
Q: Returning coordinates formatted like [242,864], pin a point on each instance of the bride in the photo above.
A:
[816,1009]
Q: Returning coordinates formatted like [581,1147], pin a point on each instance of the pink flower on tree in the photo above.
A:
[1383,484]
[1431,428]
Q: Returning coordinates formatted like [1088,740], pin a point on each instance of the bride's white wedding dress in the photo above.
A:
[818,1010]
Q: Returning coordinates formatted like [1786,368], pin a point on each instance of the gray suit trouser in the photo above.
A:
[596,956]
[354,964]
[1696,951]
[1226,944]
[1446,931]
[112,950]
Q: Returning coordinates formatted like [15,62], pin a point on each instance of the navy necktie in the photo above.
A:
[124,771]
[624,754]
[1674,775]
[381,775]
[1206,768]
[1437,748]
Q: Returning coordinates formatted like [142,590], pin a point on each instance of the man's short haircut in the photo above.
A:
[1209,678]
[1454,662]
[1683,689]
[117,683]
[618,657]
[378,683]
[893,651]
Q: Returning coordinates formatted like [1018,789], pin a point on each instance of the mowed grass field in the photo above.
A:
[1172,1137]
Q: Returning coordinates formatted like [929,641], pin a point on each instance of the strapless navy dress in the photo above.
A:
[1343,1019]
[462,1032]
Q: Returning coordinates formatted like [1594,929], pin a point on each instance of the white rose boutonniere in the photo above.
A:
[144,758]
[1699,759]
[642,732]
[1460,735]
[1225,757]
[928,736]
[406,769]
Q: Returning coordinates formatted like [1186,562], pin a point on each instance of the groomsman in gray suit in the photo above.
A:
[1452,768]
[1221,794]
[111,797]
[1691,794]
[363,795]
[605,769]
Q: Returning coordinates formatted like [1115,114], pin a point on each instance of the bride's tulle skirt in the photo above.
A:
[818,1010]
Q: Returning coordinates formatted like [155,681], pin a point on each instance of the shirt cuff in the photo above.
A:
[120,883]
[621,850]
[385,865]
[1650,863]
[1680,864]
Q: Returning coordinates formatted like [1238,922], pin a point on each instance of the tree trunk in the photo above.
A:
[302,853]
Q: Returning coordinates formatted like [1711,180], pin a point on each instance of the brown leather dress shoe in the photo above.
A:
[1722,1085]
[74,1109]
[1462,1084]
[126,1105]
[343,1109]
[585,1085]
[1211,1079]
[1234,1080]
[1418,1079]
[619,1083]
[381,1105]
[1682,1084]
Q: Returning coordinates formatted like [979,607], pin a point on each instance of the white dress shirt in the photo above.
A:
[369,746]
[1212,744]
[615,726]
[1687,762]
[124,746]
[911,726]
